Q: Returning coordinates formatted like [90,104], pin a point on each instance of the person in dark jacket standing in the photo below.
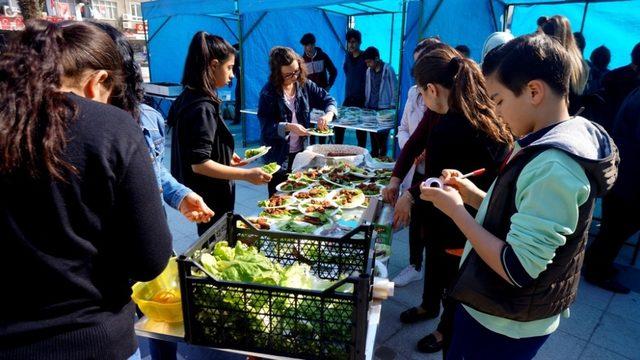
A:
[520,267]
[463,131]
[355,73]
[98,221]
[619,83]
[202,152]
[620,208]
[319,67]
[284,110]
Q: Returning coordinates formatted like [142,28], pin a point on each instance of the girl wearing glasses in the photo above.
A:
[284,109]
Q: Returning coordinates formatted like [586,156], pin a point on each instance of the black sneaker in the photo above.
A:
[414,315]
[429,344]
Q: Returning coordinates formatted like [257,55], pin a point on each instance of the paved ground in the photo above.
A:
[602,325]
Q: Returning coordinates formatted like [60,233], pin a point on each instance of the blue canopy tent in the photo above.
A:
[258,26]
[614,23]
[394,26]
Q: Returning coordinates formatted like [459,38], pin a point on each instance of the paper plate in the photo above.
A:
[279,188]
[258,156]
[358,199]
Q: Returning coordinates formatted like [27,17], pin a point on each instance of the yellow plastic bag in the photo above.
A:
[159,299]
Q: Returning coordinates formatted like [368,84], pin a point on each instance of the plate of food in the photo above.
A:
[328,185]
[362,172]
[384,162]
[254,154]
[369,189]
[348,198]
[278,213]
[339,178]
[366,202]
[383,181]
[260,223]
[294,226]
[315,192]
[317,132]
[383,173]
[271,168]
[278,201]
[318,207]
[291,186]
[309,175]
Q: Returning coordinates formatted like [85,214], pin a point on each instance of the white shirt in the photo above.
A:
[414,110]
[295,144]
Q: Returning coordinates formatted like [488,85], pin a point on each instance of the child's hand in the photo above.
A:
[448,200]
[469,192]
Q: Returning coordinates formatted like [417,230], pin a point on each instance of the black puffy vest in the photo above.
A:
[481,288]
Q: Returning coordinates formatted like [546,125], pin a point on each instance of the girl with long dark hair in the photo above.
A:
[202,153]
[465,131]
[80,206]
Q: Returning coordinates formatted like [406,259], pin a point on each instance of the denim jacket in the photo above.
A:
[274,114]
[152,125]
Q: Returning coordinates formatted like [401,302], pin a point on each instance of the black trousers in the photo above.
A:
[320,139]
[620,220]
[379,143]
[360,135]
[440,270]
[281,175]
[416,235]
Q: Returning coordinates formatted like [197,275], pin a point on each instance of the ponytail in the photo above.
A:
[469,97]
[35,115]
[203,50]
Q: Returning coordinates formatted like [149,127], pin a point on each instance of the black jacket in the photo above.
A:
[626,133]
[453,143]
[200,134]
[72,247]
[481,288]
[320,69]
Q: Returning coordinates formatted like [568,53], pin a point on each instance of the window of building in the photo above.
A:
[135,10]
[107,9]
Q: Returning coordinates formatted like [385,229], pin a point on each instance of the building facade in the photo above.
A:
[125,15]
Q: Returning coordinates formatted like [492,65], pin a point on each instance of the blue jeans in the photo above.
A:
[471,341]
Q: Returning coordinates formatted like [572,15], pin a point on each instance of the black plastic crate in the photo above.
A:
[307,324]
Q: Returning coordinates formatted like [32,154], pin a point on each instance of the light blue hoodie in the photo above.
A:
[387,96]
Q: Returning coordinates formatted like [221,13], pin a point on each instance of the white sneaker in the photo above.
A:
[407,275]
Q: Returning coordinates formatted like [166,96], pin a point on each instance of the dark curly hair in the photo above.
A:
[133,89]
[36,115]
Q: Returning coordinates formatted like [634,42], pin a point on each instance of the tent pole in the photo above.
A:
[159,28]
[431,17]
[146,41]
[229,28]
[255,25]
[393,18]
[584,15]
[400,73]
[493,16]
[333,30]
[243,90]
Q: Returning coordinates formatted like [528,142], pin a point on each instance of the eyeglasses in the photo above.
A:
[292,75]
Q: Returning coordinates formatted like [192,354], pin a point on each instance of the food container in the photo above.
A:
[335,153]
[148,295]
[312,324]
